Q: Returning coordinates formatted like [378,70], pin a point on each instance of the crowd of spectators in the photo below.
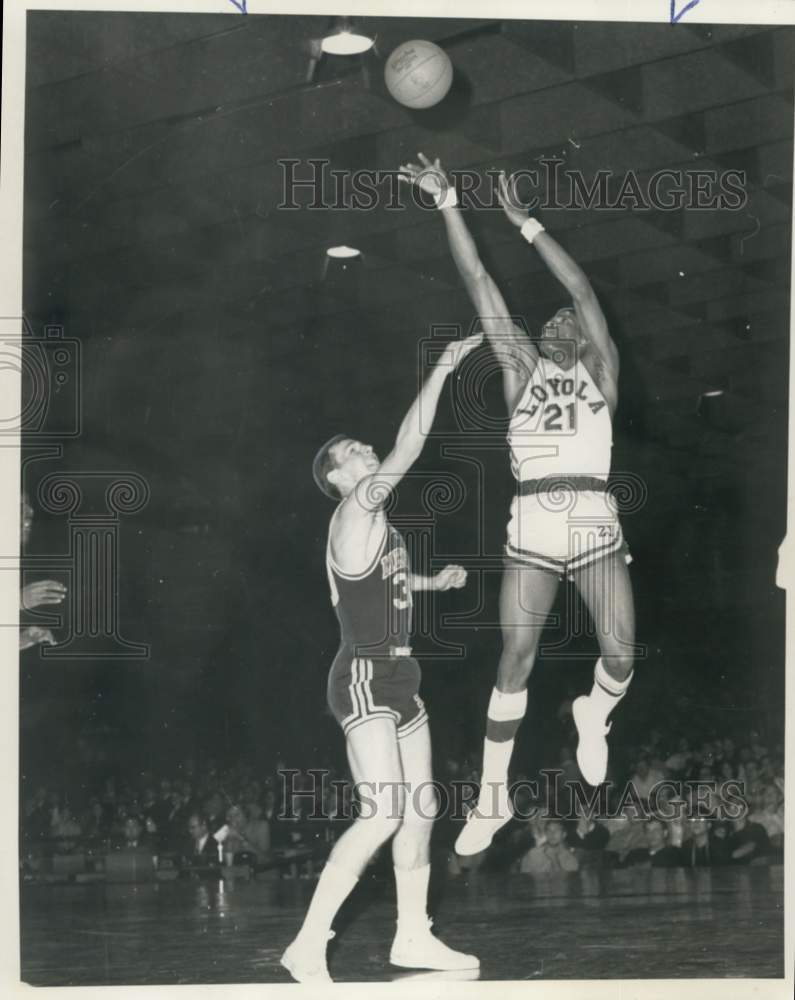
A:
[203,817]
[670,801]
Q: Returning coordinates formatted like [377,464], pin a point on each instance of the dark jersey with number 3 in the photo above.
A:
[374,607]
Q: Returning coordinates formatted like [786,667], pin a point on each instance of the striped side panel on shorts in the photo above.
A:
[419,720]
[361,696]
[595,554]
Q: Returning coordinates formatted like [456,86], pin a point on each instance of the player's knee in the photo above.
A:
[380,827]
[422,804]
[619,662]
[384,814]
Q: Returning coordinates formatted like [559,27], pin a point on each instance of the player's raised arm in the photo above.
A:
[568,272]
[367,494]
[512,347]
[416,425]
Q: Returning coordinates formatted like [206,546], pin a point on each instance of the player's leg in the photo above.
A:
[414,946]
[606,589]
[375,764]
[526,598]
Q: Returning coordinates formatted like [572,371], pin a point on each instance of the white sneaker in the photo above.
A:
[592,745]
[305,962]
[417,948]
[442,976]
[480,828]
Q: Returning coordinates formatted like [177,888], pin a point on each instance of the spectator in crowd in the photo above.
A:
[161,807]
[214,811]
[587,837]
[245,837]
[626,832]
[204,846]
[657,853]
[550,855]
[678,763]
[38,816]
[134,834]
[64,825]
[770,815]
[96,822]
[670,809]
[758,748]
[747,841]
[702,848]
[258,831]
[645,777]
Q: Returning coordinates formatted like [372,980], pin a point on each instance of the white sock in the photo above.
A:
[333,888]
[497,754]
[496,759]
[412,897]
[607,692]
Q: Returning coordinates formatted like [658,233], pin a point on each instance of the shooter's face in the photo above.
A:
[354,461]
[561,338]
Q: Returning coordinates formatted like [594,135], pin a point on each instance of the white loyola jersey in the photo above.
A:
[561,425]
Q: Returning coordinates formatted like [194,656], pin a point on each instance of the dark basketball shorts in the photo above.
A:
[378,687]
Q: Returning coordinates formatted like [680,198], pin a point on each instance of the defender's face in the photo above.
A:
[354,461]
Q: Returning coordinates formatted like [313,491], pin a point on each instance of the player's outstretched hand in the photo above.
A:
[450,578]
[429,177]
[509,199]
[33,635]
[41,592]
[457,350]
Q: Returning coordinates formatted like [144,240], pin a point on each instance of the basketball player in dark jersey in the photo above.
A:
[373,690]
[561,392]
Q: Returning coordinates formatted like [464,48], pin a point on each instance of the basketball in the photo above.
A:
[418,74]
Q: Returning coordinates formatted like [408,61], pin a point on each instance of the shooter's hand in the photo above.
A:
[511,203]
[429,177]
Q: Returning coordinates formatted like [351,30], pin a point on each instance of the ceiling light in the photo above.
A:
[342,252]
[344,40]
[713,392]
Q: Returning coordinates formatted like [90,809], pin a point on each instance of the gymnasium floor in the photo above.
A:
[591,925]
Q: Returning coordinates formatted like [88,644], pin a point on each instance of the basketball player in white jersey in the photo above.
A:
[561,392]
[373,690]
